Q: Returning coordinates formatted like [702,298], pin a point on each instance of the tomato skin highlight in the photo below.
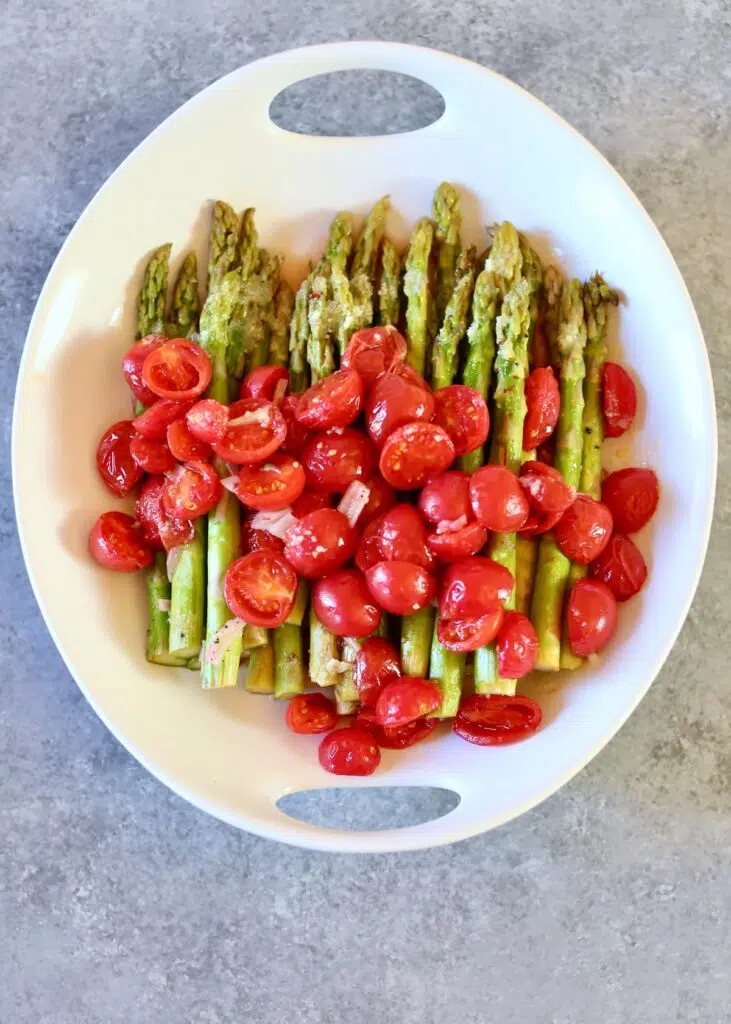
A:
[546,489]
[321,542]
[116,542]
[272,485]
[154,422]
[459,544]
[392,402]
[310,713]
[178,369]
[407,699]
[343,604]
[349,751]
[191,490]
[591,616]
[470,633]
[252,441]
[117,468]
[335,459]
[396,737]
[159,529]
[583,531]
[496,720]
[517,646]
[134,361]
[414,453]
[262,382]
[498,501]
[400,588]
[260,588]
[403,537]
[543,405]
[463,413]
[373,351]
[334,401]
[446,497]
[472,587]
[632,496]
[621,566]
[207,420]
[376,664]
[619,400]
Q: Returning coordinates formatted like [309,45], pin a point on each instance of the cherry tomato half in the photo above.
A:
[583,531]
[309,501]
[272,485]
[401,587]
[373,351]
[381,498]
[469,634]
[495,720]
[621,566]
[498,500]
[151,456]
[409,374]
[414,453]
[297,435]
[350,751]
[343,604]
[309,713]
[262,382]
[253,539]
[160,529]
[320,543]
[619,400]
[117,467]
[376,664]
[403,537]
[407,699]
[392,402]
[631,495]
[207,420]
[116,542]
[191,491]
[177,369]
[335,459]
[260,588]
[547,490]
[132,365]
[543,405]
[517,646]
[538,523]
[334,401]
[462,412]
[473,586]
[591,616]
[396,737]
[154,422]
[454,545]
[255,429]
[369,551]
[446,498]
[185,446]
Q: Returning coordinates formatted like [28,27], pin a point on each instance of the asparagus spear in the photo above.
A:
[259,290]
[553,285]
[323,652]
[389,297]
[339,242]
[289,670]
[152,298]
[448,219]
[320,354]
[279,325]
[224,244]
[248,245]
[186,306]
[416,289]
[553,567]
[352,305]
[481,350]
[444,356]
[260,670]
[299,332]
[365,258]
[158,602]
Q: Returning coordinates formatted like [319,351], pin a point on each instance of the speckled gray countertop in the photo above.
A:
[610,903]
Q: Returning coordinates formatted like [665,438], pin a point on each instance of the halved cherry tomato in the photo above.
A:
[253,539]
[185,446]
[404,700]
[335,459]
[151,456]
[376,664]
[350,751]
[414,453]
[621,566]
[255,429]
[583,531]
[403,537]
[381,498]
[591,616]
[446,498]
[320,542]
[159,528]
[543,405]
[401,587]
[538,523]
[207,420]
[334,401]
[470,633]
[462,412]
[410,375]
[309,501]
[270,486]
[132,365]
[471,587]
[547,490]
[631,495]
[517,646]
[392,402]
[619,400]
[374,350]
[344,605]
[297,435]
[498,500]
[191,490]
[369,551]
[177,369]
[262,382]
[309,713]
[451,546]
[495,720]
[260,588]
[396,737]
[116,542]
[117,467]
[154,422]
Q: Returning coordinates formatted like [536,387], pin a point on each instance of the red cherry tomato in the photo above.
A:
[272,485]
[177,369]
[392,402]
[253,539]
[255,429]
[631,495]
[309,713]
[414,453]
[517,646]
[297,435]
[260,588]
[407,373]
[591,615]
[262,382]
[462,412]
[335,459]
[547,490]
[344,605]
[498,500]
[381,498]
[309,501]
[373,351]
[185,446]
[117,468]
[320,543]
[446,498]
[151,456]
[207,420]
[403,537]
[369,551]
[334,401]
[472,587]
[495,720]
[583,531]
[407,699]
[619,400]
[159,529]
[469,634]
[543,405]
[401,587]
[132,365]
[538,523]
[396,737]
[546,452]
[452,546]
[350,751]
[154,422]
[116,542]
[621,566]
[191,491]
[376,664]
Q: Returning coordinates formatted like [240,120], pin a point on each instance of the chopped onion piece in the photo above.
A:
[174,556]
[163,605]
[271,468]
[354,501]
[280,391]
[451,525]
[334,665]
[262,416]
[229,633]
[276,523]
[230,483]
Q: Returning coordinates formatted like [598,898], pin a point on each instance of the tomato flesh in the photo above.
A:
[452,546]
[538,523]
[116,542]
[376,664]
[392,402]
[320,542]
[591,616]
[396,737]
[414,453]
[254,539]
[583,531]
[373,351]
[517,646]
[154,422]
[470,633]
[632,496]
[496,720]
[403,537]
[350,751]
[343,604]
[297,435]
[473,586]
[619,400]
[310,713]
[270,486]
[191,491]
[263,382]
[255,429]
[159,528]
[184,446]
[404,700]
[207,420]
[446,498]
[543,405]
[260,588]
[178,369]
[547,490]
[401,588]
[621,566]
[334,401]
[151,456]
[498,500]
[132,365]
[117,467]
[462,412]
[335,459]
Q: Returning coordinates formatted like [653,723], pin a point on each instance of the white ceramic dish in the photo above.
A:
[228,752]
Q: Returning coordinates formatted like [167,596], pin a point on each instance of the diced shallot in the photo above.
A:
[276,523]
[339,667]
[229,633]
[262,416]
[280,391]
[451,525]
[163,605]
[230,483]
[174,556]
[354,501]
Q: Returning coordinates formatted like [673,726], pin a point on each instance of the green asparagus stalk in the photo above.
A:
[444,355]
[416,289]
[158,603]
[152,298]
[260,290]
[352,304]
[289,670]
[260,670]
[448,220]
[279,325]
[365,258]
[323,653]
[299,333]
[416,638]
[253,637]
[339,242]
[248,257]
[481,350]
[186,306]
[553,286]
[224,244]
[389,293]
[320,352]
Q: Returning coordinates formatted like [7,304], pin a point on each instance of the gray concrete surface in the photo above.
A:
[609,904]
